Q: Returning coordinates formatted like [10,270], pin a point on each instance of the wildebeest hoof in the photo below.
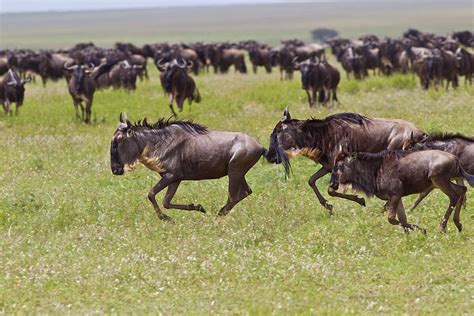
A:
[459,226]
[393,221]
[201,209]
[165,218]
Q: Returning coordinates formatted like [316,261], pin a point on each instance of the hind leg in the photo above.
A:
[171,104]
[238,190]
[460,189]
[421,197]
[447,187]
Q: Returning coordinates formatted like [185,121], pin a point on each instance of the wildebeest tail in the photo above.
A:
[467,176]
[197,95]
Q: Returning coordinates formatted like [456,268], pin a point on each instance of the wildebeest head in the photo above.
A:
[124,148]
[286,136]
[79,73]
[342,170]
[306,69]
[16,86]
[176,66]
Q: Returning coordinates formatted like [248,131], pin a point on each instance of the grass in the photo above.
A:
[76,239]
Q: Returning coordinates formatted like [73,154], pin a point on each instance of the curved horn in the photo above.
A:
[126,119]
[315,62]
[160,64]
[191,64]
[183,65]
[121,118]
[70,67]
[127,64]
[11,83]
[26,80]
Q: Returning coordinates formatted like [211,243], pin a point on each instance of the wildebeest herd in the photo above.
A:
[388,158]
[87,68]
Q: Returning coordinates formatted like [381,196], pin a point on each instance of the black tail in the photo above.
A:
[197,95]
[467,176]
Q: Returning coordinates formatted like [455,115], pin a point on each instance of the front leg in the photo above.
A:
[169,196]
[350,197]
[312,183]
[163,183]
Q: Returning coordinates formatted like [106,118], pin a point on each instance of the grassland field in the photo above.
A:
[75,239]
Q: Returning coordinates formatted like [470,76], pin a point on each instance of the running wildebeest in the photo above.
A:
[180,150]
[318,140]
[391,175]
[12,89]
[457,144]
[177,83]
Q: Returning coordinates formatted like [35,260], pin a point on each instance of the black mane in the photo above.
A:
[447,136]
[162,123]
[382,154]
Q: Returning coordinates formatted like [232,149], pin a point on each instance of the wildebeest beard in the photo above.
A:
[280,154]
[117,167]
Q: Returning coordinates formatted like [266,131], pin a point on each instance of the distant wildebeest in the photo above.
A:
[391,175]
[51,66]
[12,89]
[177,83]
[260,56]
[457,144]
[180,151]
[465,37]
[81,88]
[465,64]
[319,80]
[354,64]
[318,140]
[407,58]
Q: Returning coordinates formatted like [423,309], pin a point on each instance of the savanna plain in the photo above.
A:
[76,239]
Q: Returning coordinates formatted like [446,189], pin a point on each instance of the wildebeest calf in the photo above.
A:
[390,175]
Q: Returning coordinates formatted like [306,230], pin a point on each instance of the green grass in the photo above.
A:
[76,239]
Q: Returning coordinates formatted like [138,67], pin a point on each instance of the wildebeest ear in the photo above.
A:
[286,115]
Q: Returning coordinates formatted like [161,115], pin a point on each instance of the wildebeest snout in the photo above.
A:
[334,182]
[117,170]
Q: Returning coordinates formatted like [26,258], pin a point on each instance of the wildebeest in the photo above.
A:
[457,144]
[81,88]
[465,64]
[12,89]
[177,83]
[180,150]
[318,140]
[319,80]
[354,64]
[260,56]
[391,175]
[51,66]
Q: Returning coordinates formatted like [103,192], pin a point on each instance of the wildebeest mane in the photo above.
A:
[447,136]
[384,154]
[162,123]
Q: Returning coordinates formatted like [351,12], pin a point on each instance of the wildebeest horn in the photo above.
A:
[121,118]
[294,61]
[286,115]
[126,119]
[181,65]
[315,62]
[11,83]
[70,67]
[190,63]
[27,79]
[127,64]
[160,64]
[137,66]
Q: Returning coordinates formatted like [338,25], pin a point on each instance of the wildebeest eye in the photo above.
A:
[129,133]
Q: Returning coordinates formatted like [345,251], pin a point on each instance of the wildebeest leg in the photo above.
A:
[393,206]
[171,104]
[354,198]
[454,197]
[163,183]
[82,110]
[238,190]
[179,101]
[310,102]
[464,199]
[312,183]
[460,189]
[88,110]
[16,108]
[403,219]
[254,67]
[169,196]
[6,106]
[314,96]
[421,197]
